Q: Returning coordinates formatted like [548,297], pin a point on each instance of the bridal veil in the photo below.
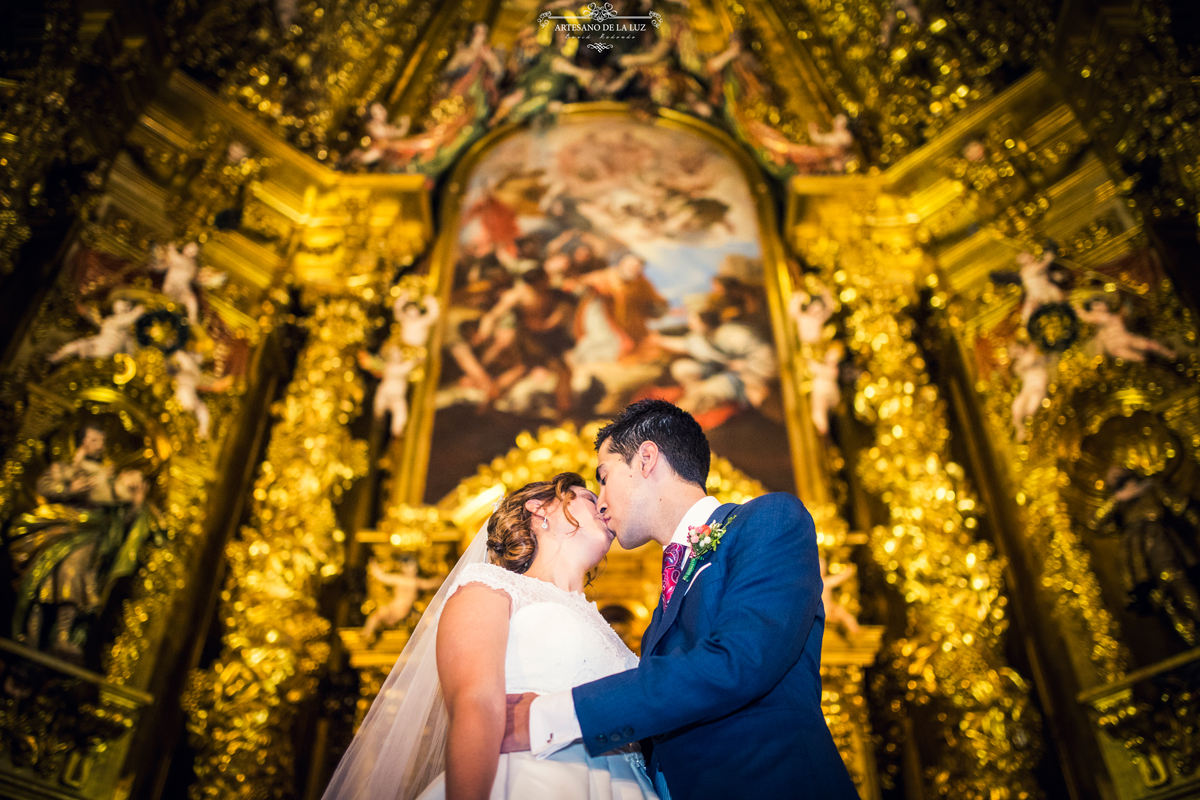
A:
[401,746]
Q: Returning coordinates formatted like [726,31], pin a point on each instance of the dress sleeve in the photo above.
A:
[491,576]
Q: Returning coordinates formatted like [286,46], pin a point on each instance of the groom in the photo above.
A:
[727,699]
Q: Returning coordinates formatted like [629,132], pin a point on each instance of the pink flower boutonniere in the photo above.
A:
[704,539]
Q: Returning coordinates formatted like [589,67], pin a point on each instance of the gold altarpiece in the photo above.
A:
[963,528]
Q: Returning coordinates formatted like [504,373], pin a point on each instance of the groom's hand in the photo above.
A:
[516,722]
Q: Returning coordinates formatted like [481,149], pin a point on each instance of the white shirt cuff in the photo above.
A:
[552,723]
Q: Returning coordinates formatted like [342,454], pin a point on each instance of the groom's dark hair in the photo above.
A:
[679,437]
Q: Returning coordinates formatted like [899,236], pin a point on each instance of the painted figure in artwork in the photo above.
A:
[628,299]
[666,72]
[465,96]
[1041,285]
[540,323]
[115,336]
[580,251]
[827,153]
[68,552]
[736,65]
[380,135]
[142,318]
[726,363]
[1113,338]
[474,63]
[545,82]
[406,586]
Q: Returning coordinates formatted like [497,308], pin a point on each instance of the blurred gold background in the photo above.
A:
[231,278]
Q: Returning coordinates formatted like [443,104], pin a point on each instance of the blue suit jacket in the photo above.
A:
[728,693]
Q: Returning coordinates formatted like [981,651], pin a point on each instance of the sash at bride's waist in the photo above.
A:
[576,750]
[577,753]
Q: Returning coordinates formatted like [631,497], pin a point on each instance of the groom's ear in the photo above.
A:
[648,456]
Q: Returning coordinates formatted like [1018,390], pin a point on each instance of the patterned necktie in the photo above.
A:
[672,564]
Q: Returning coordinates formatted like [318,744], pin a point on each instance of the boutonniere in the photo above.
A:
[704,539]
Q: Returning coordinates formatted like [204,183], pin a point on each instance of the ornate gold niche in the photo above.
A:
[925,237]
[630,581]
[304,212]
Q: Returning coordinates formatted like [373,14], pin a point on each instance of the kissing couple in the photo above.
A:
[513,687]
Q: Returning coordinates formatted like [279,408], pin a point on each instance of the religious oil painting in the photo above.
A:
[598,263]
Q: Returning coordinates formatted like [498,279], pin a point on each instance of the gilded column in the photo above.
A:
[950,660]
[275,642]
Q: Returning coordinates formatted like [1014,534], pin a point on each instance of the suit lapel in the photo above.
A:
[664,618]
[648,636]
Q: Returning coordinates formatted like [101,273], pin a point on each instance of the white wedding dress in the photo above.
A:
[556,640]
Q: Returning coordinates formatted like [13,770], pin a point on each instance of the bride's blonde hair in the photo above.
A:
[511,540]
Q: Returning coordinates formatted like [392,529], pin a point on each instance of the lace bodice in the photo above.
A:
[556,639]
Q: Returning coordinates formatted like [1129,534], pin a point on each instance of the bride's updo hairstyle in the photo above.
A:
[511,540]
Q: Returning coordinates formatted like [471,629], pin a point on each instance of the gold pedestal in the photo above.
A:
[843,699]
[66,727]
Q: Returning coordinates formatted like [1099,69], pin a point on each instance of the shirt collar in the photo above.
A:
[698,514]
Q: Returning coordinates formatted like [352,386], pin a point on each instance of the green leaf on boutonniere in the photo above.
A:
[703,540]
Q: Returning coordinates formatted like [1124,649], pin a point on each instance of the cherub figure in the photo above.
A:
[810,313]
[835,612]
[396,362]
[189,382]
[1113,338]
[825,393]
[405,587]
[974,151]
[1039,279]
[835,144]
[392,366]
[381,134]
[892,19]
[1033,368]
[114,337]
[181,270]
[236,152]
[827,153]
[416,318]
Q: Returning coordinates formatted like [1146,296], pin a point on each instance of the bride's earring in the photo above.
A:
[545,524]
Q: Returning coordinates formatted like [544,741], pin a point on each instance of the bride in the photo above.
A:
[510,618]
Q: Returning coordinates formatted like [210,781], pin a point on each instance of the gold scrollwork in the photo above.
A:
[951,656]
[275,641]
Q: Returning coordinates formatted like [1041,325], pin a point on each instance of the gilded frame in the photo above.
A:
[412,453]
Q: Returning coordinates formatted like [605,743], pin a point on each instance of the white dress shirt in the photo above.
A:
[553,724]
